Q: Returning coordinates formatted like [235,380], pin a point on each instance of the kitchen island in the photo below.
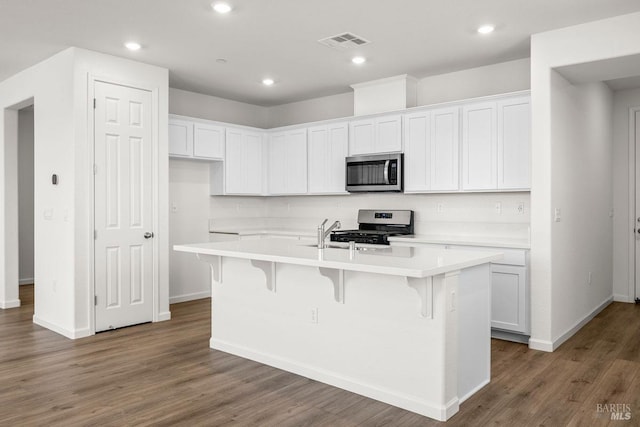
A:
[404,325]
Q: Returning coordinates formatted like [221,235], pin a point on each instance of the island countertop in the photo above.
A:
[418,262]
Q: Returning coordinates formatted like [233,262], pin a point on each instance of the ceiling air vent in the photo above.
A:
[344,41]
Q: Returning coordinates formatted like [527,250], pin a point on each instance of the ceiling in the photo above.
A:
[279,38]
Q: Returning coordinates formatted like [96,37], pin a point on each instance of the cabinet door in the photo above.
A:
[180,138]
[508,298]
[277,163]
[514,143]
[296,167]
[327,149]
[479,146]
[417,152]
[253,163]
[443,159]
[233,167]
[208,141]
[388,134]
[362,137]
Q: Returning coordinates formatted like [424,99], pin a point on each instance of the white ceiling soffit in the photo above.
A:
[614,69]
[279,38]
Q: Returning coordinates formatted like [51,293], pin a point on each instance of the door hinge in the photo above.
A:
[95,300]
[95,234]
[95,169]
[94,103]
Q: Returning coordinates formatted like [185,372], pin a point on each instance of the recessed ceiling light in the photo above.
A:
[268,82]
[132,45]
[486,29]
[358,59]
[221,7]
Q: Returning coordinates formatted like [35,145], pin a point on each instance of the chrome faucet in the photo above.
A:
[322,234]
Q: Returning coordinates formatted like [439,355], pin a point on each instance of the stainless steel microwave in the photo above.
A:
[379,172]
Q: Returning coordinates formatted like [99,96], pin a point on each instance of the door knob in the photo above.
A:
[148,235]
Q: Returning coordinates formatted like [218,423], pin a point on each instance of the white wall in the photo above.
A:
[582,242]
[623,202]
[492,79]
[64,231]
[25,194]
[193,104]
[188,223]
[551,321]
[311,110]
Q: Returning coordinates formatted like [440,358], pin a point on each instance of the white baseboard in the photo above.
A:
[473,391]
[542,345]
[26,281]
[622,298]
[189,297]
[10,304]
[410,403]
[165,315]
[586,319]
[75,334]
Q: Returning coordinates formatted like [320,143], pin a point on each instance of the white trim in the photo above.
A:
[78,333]
[411,403]
[473,391]
[542,345]
[189,297]
[622,298]
[10,304]
[586,319]
[632,204]
[27,281]
[155,171]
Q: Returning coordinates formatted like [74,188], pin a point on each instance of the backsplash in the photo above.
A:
[468,214]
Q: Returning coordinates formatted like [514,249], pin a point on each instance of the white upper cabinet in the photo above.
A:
[244,162]
[180,138]
[375,135]
[514,143]
[288,162]
[431,150]
[479,146]
[327,149]
[196,139]
[208,141]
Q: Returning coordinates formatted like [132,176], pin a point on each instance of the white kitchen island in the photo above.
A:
[404,325]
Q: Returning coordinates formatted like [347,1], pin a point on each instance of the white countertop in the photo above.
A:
[399,261]
[485,241]
[258,231]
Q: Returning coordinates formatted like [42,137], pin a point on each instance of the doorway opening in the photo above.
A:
[26,210]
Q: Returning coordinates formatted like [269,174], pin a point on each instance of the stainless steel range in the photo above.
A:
[376,226]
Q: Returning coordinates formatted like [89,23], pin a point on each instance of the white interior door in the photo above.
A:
[123,206]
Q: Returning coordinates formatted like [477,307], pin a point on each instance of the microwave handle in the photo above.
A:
[386,172]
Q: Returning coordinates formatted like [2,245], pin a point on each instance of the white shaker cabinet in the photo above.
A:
[509,298]
[244,162]
[327,149]
[479,146]
[431,150]
[514,143]
[381,134]
[180,138]
[288,162]
[208,141]
[198,140]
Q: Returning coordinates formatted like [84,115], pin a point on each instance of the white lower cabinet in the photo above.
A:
[509,311]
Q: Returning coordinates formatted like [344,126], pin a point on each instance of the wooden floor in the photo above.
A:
[165,374]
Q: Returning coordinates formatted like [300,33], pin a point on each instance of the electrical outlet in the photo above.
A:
[589,279]
[174,207]
[498,207]
[520,208]
[557,215]
[313,318]
[439,208]
[452,301]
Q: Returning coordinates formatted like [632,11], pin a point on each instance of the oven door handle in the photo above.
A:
[386,172]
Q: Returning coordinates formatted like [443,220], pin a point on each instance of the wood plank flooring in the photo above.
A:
[165,374]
